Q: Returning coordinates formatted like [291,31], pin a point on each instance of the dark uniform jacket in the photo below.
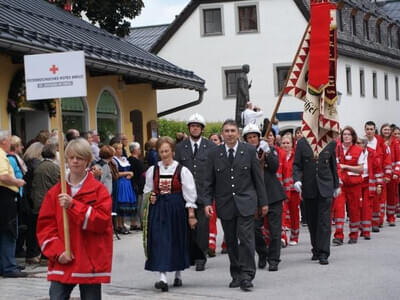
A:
[237,188]
[274,188]
[197,165]
[315,174]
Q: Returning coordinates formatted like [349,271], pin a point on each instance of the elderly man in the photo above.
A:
[9,187]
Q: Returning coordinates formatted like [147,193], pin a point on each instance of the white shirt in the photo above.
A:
[75,188]
[193,142]
[250,116]
[188,186]
[372,144]
[234,149]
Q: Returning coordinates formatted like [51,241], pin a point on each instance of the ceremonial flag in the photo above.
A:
[313,77]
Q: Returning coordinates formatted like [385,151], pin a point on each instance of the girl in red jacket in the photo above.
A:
[352,165]
[292,196]
[88,205]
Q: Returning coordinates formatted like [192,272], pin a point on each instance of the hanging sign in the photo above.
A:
[55,75]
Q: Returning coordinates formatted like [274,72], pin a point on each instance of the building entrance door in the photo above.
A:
[27,123]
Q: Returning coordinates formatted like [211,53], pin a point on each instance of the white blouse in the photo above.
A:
[187,180]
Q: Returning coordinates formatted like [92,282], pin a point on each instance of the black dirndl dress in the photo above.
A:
[167,237]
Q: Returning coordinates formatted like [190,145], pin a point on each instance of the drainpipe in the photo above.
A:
[182,107]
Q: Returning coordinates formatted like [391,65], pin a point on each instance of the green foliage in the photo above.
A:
[171,127]
[110,15]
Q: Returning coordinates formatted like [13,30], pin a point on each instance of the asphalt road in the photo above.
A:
[367,270]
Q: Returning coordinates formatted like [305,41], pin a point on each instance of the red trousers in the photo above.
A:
[286,215]
[338,212]
[366,209]
[392,200]
[353,197]
[294,210]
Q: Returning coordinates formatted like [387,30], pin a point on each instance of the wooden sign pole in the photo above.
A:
[62,173]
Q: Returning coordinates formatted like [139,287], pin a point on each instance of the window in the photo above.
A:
[348,80]
[378,33]
[339,20]
[396,81]
[374,85]
[247,18]
[386,87]
[390,37]
[212,21]
[362,83]
[108,117]
[281,75]
[74,114]
[366,29]
[353,25]
[231,77]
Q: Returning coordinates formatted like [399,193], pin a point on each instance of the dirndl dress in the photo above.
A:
[167,236]
[126,198]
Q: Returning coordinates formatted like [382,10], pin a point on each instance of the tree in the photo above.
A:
[109,15]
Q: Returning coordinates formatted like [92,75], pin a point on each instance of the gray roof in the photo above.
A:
[146,36]
[36,26]
[392,9]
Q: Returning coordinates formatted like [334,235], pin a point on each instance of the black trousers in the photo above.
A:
[274,219]
[32,245]
[198,237]
[318,214]
[239,238]
[62,291]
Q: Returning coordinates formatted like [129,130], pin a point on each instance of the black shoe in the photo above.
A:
[246,285]
[273,267]
[314,257]
[20,267]
[380,225]
[235,283]
[224,251]
[375,229]
[211,252]
[200,265]
[367,237]
[337,242]
[15,274]
[262,262]
[178,282]
[392,224]
[352,241]
[323,261]
[161,285]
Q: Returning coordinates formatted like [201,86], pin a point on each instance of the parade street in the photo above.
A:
[367,270]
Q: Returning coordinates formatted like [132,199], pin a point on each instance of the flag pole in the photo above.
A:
[282,92]
[62,173]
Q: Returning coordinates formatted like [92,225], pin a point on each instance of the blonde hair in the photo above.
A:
[81,148]
[15,141]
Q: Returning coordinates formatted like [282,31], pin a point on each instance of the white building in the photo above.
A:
[214,38]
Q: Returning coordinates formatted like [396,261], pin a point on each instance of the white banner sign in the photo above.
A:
[55,75]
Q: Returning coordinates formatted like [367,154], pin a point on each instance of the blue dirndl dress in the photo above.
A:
[167,236]
[126,198]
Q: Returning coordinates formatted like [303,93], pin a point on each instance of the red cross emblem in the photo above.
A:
[53,69]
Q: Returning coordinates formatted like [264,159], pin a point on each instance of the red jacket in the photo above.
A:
[287,171]
[395,155]
[90,230]
[374,169]
[350,157]
[383,152]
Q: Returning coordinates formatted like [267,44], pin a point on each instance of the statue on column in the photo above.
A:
[242,93]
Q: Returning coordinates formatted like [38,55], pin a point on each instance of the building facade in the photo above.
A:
[216,37]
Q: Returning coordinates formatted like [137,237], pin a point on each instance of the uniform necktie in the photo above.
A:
[230,156]
[196,147]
